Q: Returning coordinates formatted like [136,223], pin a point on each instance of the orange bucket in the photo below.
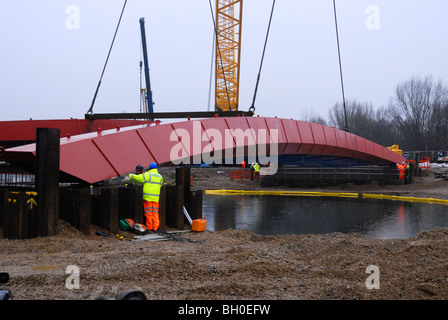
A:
[199,225]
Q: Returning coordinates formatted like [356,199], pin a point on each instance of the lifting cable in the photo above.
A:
[219,52]
[340,66]
[107,59]
[252,107]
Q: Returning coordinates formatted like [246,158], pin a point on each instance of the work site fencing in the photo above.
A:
[307,177]
[14,177]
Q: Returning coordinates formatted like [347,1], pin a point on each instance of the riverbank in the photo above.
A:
[235,264]
[426,186]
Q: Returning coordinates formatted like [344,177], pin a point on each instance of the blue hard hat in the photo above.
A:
[153,165]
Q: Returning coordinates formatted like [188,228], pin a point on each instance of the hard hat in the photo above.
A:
[139,168]
[153,165]
[130,222]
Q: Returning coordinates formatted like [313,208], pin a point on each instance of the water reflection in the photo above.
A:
[273,215]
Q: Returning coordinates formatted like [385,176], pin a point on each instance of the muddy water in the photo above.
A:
[274,215]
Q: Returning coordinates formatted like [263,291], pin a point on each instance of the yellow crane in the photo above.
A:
[227,54]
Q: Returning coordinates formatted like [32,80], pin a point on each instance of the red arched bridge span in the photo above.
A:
[101,155]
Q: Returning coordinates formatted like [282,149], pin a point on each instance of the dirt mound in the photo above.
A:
[229,264]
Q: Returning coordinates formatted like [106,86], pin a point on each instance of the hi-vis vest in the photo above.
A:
[256,167]
[152,182]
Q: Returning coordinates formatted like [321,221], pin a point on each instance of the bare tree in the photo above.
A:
[413,111]
[313,117]
[364,121]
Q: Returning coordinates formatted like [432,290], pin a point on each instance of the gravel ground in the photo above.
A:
[234,264]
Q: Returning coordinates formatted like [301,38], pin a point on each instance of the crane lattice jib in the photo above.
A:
[227,54]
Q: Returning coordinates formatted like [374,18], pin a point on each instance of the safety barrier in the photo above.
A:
[402,198]
[242,175]
[326,194]
[293,176]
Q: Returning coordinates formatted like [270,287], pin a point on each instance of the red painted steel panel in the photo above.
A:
[292,136]
[215,123]
[242,133]
[341,137]
[239,134]
[220,125]
[25,130]
[85,161]
[361,144]
[193,140]
[161,140]
[123,156]
[246,141]
[370,147]
[261,130]
[332,142]
[259,125]
[276,124]
[205,140]
[379,150]
[352,145]
[320,142]
[307,137]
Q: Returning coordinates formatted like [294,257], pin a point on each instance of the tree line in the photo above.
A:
[416,117]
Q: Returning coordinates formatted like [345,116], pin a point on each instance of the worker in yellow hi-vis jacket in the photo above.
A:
[152,182]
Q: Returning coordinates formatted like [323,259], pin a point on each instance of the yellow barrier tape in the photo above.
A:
[402,198]
[325,194]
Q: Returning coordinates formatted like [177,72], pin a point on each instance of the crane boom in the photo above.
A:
[149,103]
[227,54]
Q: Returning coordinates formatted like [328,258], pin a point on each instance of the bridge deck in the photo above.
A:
[94,157]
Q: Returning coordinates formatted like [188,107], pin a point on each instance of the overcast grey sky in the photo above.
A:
[52,53]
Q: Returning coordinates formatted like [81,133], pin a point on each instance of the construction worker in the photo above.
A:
[407,173]
[401,170]
[152,182]
[255,167]
[257,170]
[139,169]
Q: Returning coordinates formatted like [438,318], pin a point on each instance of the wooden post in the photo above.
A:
[131,203]
[178,203]
[2,207]
[183,179]
[174,207]
[47,180]
[75,208]
[162,208]
[168,205]
[196,205]
[64,204]
[95,207]
[411,172]
[81,210]
[15,219]
[109,209]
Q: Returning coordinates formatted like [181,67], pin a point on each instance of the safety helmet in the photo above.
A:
[153,165]
[130,222]
[139,168]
